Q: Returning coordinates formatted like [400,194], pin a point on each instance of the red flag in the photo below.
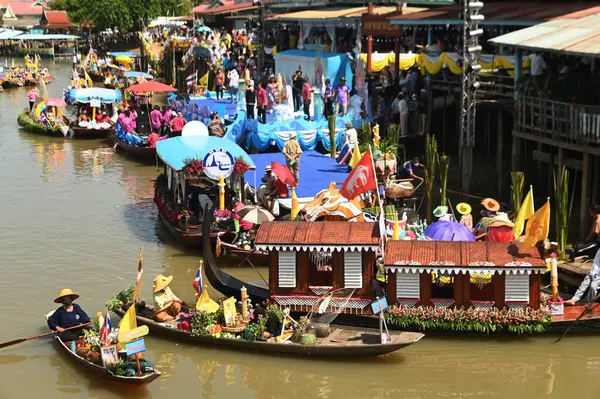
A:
[361,179]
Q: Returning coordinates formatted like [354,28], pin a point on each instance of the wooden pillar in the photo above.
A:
[425,289]
[585,179]
[515,164]
[534,291]
[273,271]
[392,293]
[337,263]
[498,281]
[397,58]
[334,41]
[369,43]
[499,142]
[518,67]
[462,290]
[595,183]
[559,160]
[302,263]
[429,35]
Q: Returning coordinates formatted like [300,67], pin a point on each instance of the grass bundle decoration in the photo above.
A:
[518,182]
[431,148]
[564,206]
[444,162]
[393,133]
[331,125]
[26,122]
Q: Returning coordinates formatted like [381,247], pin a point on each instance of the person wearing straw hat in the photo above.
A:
[292,151]
[466,218]
[441,212]
[166,305]
[491,207]
[68,315]
[500,229]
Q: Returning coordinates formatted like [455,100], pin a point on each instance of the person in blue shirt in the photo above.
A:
[68,315]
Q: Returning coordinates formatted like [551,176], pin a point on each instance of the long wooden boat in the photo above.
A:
[10,84]
[85,133]
[142,153]
[340,343]
[32,126]
[137,380]
[257,257]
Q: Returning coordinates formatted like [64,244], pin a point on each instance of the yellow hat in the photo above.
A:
[161,282]
[65,292]
[463,208]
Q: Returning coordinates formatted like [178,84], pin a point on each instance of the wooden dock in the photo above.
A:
[573,273]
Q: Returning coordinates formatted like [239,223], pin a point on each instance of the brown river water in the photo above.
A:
[75,213]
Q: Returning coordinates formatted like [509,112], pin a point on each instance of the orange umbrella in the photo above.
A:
[283,173]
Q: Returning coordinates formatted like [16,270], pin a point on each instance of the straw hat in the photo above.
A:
[490,204]
[161,282]
[501,219]
[293,135]
[440,211]
[65,292]
[463,208]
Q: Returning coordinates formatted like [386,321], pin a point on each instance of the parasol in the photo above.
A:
[124,59]
[204,29]
[283,173]
[255,214]
[151,87]
[449,231]
[56,102]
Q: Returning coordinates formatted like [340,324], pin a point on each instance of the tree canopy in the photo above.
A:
[124,15]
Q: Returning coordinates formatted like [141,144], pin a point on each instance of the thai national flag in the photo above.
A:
[191,80]
[345,154]
[198,281]
[105,330]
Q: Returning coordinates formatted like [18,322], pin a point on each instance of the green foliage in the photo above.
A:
[122,298]
[32,126]
[276,310]
[444,162]
[118,368]
[201,322]
[518,181]
[527,321]
[367,133]
[431,148]
[393,133]
[331,125]
[564,206]
[255,331]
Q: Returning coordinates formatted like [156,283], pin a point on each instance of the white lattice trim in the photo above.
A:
[442,303]
[406,302]
[320,290]
[512,305]
[463,270]
[353,303]
[324,248]
[518,264]
[482,304]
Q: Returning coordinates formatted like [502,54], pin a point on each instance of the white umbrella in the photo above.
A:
[255,214]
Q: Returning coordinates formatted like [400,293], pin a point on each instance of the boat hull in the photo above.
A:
[98,370]
[142,153]
[335,350]
[258,258]
[84,133]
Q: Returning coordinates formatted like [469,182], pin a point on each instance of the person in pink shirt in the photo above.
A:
[262,102]
[133,117]
[219,82]
[177,125]
[152,139]
[156,119]
[32,96]
[126,124]
[306,96]
[244,225]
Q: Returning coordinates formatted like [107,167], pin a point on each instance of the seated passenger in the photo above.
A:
[166,305]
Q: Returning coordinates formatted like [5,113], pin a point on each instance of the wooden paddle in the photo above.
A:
[18,341]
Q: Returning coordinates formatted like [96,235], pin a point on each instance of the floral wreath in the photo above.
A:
[241,166]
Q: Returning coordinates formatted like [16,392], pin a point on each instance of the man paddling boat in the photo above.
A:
[68,315]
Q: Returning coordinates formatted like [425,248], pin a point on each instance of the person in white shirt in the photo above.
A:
[590,284]
[403,111]
[538,64]
[351,135]
[234,82]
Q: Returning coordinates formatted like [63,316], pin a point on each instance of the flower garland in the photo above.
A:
[527,321]
[193,166]
[241,166]
[222,215]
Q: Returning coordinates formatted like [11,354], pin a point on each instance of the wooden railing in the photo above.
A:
[492,87]
[561,122]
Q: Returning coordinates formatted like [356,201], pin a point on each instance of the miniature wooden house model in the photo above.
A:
[310,259]
[463,274]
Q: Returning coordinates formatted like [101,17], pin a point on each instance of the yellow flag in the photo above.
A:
[205,304]
[295,205]
[527,210]
[88,80]
[356,156]
[127,323]
[538,226]
[203,82]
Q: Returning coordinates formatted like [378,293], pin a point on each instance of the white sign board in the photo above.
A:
[218,162]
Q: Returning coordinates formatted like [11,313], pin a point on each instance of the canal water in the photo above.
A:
[75,213]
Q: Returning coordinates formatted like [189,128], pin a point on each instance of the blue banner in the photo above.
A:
[137,346]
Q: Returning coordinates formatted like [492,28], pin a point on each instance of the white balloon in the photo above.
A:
[194,128]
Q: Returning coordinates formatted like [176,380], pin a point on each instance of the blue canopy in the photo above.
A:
[175,150]
[137,74]
[204,29]
[93,93]
[124,53]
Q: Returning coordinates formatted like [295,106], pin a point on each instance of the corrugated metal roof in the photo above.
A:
[353,12]
[505,13]
[577,36]
[460,253]
[318,233]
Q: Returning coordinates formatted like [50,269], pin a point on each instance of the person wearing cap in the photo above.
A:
[68,315]
[250,98]
[407,170]
[166,305]
[342,97]
[177,125]
[292,151]
[268,189]
[466,218]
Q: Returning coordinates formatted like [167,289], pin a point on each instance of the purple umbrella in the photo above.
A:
[448,231]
